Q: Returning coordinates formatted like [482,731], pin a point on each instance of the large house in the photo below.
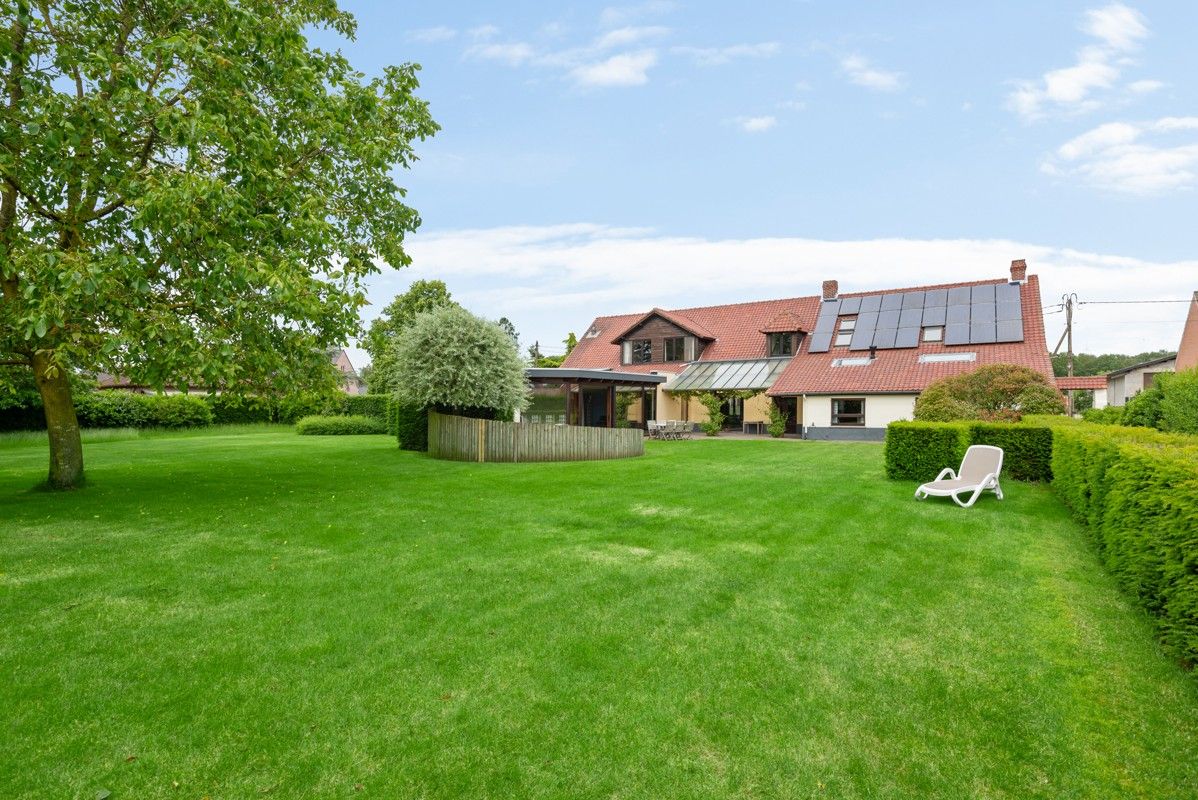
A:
[842,366]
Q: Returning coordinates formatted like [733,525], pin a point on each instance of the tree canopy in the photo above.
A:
[990,392]
[1089,364]
[450,359]
[420,297]
[190,194]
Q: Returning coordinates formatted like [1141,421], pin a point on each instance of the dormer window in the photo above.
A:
[845,334]
[781,344]
[675,348]
[638,351]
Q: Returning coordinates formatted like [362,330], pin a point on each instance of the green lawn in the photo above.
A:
[255,614]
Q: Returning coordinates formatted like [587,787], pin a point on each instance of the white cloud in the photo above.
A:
[861,72]
[554,279]
[432,35]
[715,56]
[1145,87]
[756,124]
[483,33]
[1145,158]
[622,37]
[1121,27]
[614,16]
[625,69]
[1098,67]
[512,53]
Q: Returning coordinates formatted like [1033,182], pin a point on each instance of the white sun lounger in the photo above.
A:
[979,471]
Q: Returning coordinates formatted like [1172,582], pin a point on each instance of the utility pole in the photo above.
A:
[1068,300]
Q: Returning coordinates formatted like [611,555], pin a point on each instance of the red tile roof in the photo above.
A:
[1081,382]
[738,334]
[786,322]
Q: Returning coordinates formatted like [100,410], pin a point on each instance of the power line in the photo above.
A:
[1125,302]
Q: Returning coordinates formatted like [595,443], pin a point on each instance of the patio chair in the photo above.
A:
[653,429]
[979,471]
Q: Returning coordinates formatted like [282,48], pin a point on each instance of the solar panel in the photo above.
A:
[889,319]
[913,300]
[958,296]
[820,343]
[1009,311]
[1006,293]
[982,333]
[907,337]
[935,297]
[850,305]
[871,303]
[891,301]
[1010,330]
[982,312]
[983,293]
[910,317]
[825,322]
[934,315]
[956,333]
[958,314]
[884,338]
[863,336]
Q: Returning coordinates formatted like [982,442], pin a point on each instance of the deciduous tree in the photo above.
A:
[190,194]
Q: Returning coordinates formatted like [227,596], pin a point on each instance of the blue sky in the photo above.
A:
[600,158]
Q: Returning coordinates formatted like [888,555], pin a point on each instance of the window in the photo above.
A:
[933,333]
[592,332]
[852,362]
[781,344]
[848,411]
[676,348]
[642,351]
[845,334]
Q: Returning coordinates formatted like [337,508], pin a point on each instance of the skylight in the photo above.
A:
[851,362]
[942,358]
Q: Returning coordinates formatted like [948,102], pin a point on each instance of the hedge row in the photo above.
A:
[128,410]
[1137,492]
[409,424]
[918,451]
[349,425]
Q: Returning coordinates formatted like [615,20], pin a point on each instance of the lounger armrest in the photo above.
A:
[947,471]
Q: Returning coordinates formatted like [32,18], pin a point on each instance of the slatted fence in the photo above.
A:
[465,439]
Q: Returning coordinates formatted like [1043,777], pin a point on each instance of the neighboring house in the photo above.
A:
[1092,383]
[841,366]
[1124,384]
[351,382]
[1187,351]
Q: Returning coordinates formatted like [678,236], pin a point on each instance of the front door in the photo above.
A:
[790,407]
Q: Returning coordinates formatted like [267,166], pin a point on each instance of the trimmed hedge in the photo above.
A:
[1137,492]
[410,425]
[366,405]
[115,409]
[338,426]
[917,451]
[1108,415]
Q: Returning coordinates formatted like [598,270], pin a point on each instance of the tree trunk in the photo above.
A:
[66,448]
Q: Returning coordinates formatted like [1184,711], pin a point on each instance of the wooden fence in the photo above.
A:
[464,439]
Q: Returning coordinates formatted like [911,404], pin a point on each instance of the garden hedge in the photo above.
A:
[115,409]
[409,424]
[339,426]
[917,451]
[1137,492]
[366,405]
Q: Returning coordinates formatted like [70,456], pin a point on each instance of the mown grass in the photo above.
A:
[257,614]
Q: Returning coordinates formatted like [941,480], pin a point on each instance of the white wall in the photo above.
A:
[880,409]
[1100,398]
[1124,387]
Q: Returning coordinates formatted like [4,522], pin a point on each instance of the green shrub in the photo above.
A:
[1137,491]
[230,409]
[1110,415]
[917,451]
[1179,401]
[1143,410]
[366,405]
[1027,448]
[113,409]
[778,420]
[411,425]
[293,407]
[338,426]
[993,392]
[714,404]
[178,411]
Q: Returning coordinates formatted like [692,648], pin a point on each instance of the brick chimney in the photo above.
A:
[831,288]
[1018,271]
